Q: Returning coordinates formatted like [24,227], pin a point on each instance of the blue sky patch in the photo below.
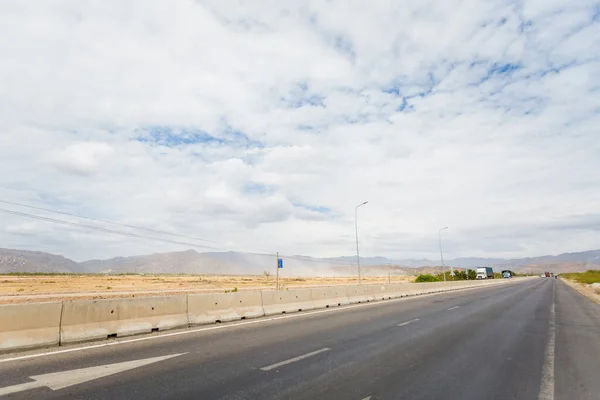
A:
[174,137]
[302,96]
[394,89]
[525,25]
[256,188]
[504,68]
[318,209]
[171,138]
[344,45]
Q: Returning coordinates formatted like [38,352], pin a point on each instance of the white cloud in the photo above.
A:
[261,125]
[81,158]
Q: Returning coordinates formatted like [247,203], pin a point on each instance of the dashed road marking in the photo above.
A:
[409,322]
[291,360]
[452,308]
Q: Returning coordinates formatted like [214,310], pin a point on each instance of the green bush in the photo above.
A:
[459,275]
[589,276]
[426,278]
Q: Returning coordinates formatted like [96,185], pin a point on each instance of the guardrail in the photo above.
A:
[26,326]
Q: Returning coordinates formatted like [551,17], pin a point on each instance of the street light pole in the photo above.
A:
[356,230]
[441,253]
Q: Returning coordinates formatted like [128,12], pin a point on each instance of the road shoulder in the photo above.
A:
[577,346]
[584,289]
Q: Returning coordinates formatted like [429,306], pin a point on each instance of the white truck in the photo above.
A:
[485,273]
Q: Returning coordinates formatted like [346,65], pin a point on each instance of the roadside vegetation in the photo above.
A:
[458,276]
[468,275]
[590,276]
[426,278]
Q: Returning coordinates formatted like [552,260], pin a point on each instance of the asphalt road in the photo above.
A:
[537,339]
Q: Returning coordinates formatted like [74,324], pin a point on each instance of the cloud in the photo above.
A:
[262,125]
[81,158]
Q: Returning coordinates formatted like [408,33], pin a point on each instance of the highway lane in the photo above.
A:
[487,343]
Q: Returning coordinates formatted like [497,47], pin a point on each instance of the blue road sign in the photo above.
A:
[280,263]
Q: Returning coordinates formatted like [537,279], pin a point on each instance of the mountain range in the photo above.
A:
[193,262]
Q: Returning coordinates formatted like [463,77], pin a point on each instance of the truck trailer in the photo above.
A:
[485,273]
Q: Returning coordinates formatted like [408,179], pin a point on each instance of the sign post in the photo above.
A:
[279,266]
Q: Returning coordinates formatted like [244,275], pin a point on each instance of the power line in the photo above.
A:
[140,236]
[97,228]
[106,221]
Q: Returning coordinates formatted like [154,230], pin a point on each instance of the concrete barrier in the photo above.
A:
[360,294]
[26,326]
[383,292]
[286,301]
[324,297]
[400,289]
[420,288]
[212,307]
[98,319]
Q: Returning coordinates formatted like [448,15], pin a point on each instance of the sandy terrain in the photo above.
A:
[38,288]
[584,289]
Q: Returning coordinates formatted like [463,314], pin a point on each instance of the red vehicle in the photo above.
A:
[547,274]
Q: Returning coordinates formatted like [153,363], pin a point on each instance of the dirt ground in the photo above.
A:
[39,288]
[585,289]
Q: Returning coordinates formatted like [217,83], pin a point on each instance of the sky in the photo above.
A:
[260,125]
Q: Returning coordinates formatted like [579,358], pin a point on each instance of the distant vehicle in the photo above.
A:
[508,274]
[542,275]
[547,274]
[485,273]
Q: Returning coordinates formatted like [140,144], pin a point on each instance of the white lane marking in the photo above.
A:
[63,379]
[409,322]
[291,360]
[547,384]
[453,308]
[20,388]
[233,325]
[367,398]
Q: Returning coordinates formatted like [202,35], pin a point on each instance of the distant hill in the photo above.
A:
[557,267]
[193,262]
[35,261]
[591,257]
[186,262]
